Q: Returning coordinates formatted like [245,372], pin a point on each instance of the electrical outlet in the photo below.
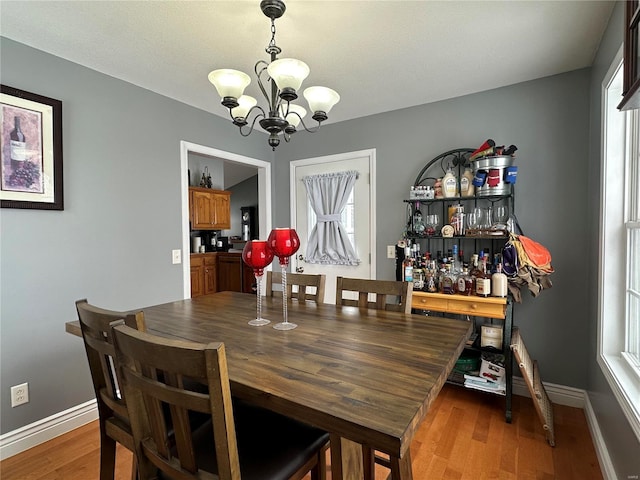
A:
[391,251]
[19,394]
[175,256]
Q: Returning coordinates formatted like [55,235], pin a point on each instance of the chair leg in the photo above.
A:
[134,468]
[368,461]
[107,456]
[319,472]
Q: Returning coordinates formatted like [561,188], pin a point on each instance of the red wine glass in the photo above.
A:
[284,242]
[257,255]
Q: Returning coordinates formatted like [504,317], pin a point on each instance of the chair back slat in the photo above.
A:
[389,295]
[153,371]
[301,286]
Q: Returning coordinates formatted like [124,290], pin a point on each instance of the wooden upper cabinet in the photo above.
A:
[631,80]
[209,209]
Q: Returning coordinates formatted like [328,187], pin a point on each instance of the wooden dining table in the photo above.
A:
[368,377]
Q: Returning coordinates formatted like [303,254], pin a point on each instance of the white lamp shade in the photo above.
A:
[229,83]
[292,118]
[288,73]
[321,99]
[245,103]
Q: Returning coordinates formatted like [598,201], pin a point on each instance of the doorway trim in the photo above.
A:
[264,197]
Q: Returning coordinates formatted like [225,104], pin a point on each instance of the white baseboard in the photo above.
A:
[575,397]
[560,394]
[606,466]
[46,429]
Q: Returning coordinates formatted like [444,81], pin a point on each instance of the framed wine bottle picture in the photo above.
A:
[31,150]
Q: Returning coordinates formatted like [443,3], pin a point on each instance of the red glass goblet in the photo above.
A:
[257,255]
[284,242]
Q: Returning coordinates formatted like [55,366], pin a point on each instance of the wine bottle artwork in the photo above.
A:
[18,144]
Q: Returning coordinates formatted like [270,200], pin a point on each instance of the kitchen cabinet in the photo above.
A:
[631,79]
[233,274]
[204,277]
[197,278]
[209,209]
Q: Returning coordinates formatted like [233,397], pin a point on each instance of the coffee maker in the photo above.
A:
[249,222]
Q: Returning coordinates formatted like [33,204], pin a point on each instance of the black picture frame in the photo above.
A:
[30,164]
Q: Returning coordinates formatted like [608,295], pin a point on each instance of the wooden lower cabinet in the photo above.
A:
[204,277]
[197,275]
[229,272]
[210,274]
[219,272]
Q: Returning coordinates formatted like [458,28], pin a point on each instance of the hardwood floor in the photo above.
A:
[463,437]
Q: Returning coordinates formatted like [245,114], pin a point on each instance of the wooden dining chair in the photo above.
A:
[250,443]
[399,292]
[113,416]
[307,286]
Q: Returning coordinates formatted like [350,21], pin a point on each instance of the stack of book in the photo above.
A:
[473,380]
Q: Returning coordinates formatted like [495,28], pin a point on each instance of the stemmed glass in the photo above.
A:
[257,255]
[432,221]
[500,217]
[284,242]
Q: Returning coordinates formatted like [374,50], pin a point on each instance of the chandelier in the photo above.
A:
[285,77]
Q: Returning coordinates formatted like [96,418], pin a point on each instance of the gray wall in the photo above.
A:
[622,443]
[548,120]
[112,243]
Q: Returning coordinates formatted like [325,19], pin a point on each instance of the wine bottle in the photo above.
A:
[18,144]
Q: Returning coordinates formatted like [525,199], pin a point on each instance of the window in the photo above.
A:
[347,218]
[619,264]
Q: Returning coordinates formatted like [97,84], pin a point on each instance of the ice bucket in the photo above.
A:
[490,173]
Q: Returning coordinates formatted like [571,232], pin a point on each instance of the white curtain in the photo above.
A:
[328,194]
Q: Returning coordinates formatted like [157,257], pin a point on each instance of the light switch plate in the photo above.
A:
[175,256]
[391,251]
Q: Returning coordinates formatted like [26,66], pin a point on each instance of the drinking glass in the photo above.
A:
[257,255]
[432,221]
[284,242]
[473,220]
[500,217]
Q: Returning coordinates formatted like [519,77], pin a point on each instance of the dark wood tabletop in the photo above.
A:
[366,376]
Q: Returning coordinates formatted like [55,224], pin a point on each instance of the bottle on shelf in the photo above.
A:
[464,283]
[449,184]
[407,265]
[448,281]
[499,283]
[18,145]
[466,183]
[483,280]
[454,260]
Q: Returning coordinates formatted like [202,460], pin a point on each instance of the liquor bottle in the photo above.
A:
[499,283]
[431,279]
[475,269]
[464,283]
[407,265]
[448,281]
[483,280]
[454,260]
[18,145]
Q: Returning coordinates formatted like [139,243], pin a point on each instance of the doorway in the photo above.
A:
[264,197]
[361,226]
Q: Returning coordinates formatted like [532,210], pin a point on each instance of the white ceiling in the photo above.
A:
[379,55]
